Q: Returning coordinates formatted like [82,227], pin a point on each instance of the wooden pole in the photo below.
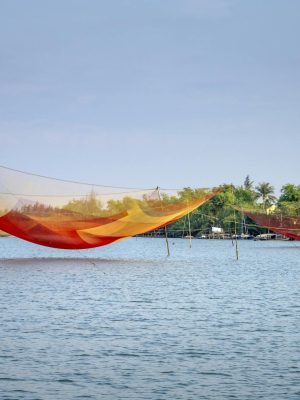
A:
[167,241]
[236,240]
[166,232]
[189,221]
[184,221]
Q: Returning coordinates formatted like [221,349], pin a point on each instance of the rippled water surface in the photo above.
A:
[126,322]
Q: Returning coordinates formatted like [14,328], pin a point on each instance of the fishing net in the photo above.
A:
[71,215]
[286,225]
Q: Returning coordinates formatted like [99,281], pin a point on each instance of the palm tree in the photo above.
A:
[265,191]
[248,184]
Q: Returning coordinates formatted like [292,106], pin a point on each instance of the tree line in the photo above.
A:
[224,209]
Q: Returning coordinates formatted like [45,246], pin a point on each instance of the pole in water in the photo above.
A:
[166,232]
[236,241]
[190,233]
[167,241]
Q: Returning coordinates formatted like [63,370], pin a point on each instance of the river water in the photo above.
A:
[127,322]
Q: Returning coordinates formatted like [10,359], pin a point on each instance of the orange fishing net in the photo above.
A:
[277,222]
[71,215]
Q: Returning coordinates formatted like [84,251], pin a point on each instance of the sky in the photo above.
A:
[141,93]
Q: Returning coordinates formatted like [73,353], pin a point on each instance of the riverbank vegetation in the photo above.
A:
[225,209]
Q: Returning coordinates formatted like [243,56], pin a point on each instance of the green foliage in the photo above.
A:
[222,210]
[248,184]
[265,192]
[289,201]
[290,193]
[186,194]
[117,206]
[88,205]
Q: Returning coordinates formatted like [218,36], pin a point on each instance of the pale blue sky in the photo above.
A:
[142,93]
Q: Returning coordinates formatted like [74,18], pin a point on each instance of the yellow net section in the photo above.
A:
[72,215]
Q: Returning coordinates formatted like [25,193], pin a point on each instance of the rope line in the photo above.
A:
[71,181]
[87,183]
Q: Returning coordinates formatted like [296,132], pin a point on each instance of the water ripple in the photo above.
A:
[125,322]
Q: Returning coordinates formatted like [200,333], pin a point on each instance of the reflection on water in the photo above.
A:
[127,322]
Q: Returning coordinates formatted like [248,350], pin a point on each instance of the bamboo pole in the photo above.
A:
[189,222]
[167,241]
[166,232]
[236,240]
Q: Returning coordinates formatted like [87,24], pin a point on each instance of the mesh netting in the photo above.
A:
[71,215]
[285,225]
